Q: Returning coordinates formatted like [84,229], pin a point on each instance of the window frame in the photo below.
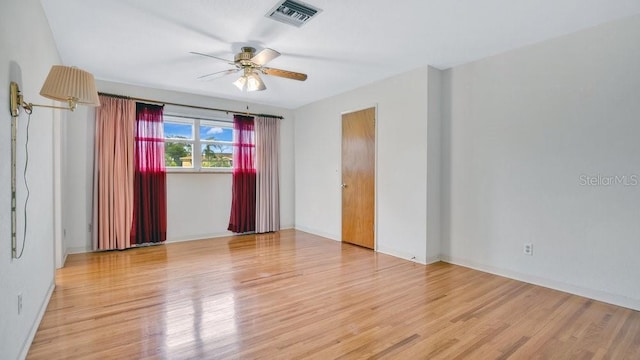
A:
[196,142]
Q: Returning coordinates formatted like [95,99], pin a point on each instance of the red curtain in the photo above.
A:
[150,186]
[243,197]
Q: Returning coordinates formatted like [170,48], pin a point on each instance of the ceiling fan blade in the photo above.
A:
[284,73]
[213,57]
[264,56]
[218,74]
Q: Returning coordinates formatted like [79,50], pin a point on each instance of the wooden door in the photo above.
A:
[358,177]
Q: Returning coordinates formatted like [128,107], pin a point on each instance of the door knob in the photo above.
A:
[343,186]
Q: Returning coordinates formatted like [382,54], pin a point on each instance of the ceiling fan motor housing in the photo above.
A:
[245,56]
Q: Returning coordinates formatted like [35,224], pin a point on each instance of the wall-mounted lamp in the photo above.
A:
[65,84]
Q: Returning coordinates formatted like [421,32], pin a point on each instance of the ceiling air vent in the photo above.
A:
[293,12]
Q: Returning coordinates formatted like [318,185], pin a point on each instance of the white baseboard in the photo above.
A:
[594,294]
[392,252]
[318,232]
[81,250]
[406,256]
[78,250]
[199,237]
[433,260]
[34,327]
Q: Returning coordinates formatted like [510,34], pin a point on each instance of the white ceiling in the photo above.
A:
[349,44]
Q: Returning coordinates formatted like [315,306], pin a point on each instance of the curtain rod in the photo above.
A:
[190,106]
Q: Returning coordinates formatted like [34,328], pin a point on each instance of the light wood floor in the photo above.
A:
[293,295]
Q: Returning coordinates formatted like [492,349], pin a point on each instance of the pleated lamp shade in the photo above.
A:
[72,85]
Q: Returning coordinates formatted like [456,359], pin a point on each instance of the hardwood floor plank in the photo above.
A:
[506,353]
[293,295]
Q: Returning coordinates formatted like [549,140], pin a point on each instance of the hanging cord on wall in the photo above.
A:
[26,185]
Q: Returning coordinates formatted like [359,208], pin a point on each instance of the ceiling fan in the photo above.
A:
[251,65]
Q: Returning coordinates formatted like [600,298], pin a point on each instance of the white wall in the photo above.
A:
[434,164]
[521,128]
[27,54]
[77,215]
[59,168]
[401,164]
[198,204]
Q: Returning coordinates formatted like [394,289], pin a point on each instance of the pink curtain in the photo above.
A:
[267,174]
[113,173]
[150,187]
[243,197]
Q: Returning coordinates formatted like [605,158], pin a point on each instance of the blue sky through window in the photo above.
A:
[207,132]
[173,130]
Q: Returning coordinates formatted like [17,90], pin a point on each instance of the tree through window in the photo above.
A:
[213,139]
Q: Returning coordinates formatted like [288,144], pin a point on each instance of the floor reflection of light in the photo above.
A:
[197,322]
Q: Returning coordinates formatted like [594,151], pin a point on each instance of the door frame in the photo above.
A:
[375,171]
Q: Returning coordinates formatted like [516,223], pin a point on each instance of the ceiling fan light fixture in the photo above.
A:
[255,83]
[241,83]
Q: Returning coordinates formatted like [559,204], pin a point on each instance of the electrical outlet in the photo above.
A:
[528,249]
[19,304]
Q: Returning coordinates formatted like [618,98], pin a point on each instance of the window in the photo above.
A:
[197,144]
